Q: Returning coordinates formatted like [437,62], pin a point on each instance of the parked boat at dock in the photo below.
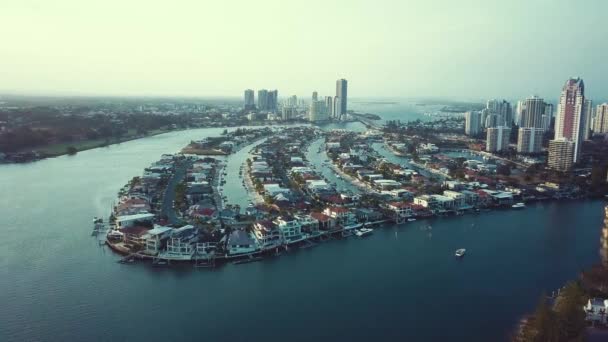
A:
[363,232]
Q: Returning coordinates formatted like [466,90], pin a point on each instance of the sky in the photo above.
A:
[385,48]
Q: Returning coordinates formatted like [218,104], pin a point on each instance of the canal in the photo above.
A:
[401,283]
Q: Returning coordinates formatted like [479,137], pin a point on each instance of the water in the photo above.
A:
[399,284]
[398,109]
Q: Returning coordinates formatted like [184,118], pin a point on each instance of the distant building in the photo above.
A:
[262,99]
[289,113]
[570,119]
[315,96]
[329,104]
[317,112]
[548,116]
[337,108]
[341,94]
[497,139]
[561,154]
[472,124]
[521,107]
[532,113]
[502,111]
[249,99]
[601,119]
[529,140]
[272,101]
[587,116]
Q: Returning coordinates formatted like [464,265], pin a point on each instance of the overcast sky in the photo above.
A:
[385,48]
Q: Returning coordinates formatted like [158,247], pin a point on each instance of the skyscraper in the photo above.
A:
[532,112]
[497,139]
[337,108]
[472,124]
[329,104]
[587,115]
[249,99]
[272,100]
[502,111]
[570,119]
[262,99]
[341,93]
[561,154]
[521,106]
[315,96]
[317,112]
[601,119]
[548,116]
[529,140]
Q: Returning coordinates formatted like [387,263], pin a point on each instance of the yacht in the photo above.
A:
[411,219]
[519,205]
[363,232]
[460,252]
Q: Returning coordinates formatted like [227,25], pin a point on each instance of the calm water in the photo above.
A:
[400,283]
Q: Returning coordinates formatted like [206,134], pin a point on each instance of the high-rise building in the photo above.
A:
[249,99]
[329,104]
[484,117]
[315,96]
[337,108]
[587,115]
[292,101]
[561,154]
[492,120]
[272,101]
[262,99]
[532,112]
[570,119]
[317,112]
[548,116]
[502,111]
[341,94]
[600,124]
[289,113]
[529,140]
[472,124]
[497,139]
[521,107]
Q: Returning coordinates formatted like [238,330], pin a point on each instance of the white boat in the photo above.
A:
[353,226]
[519,205]
[460,252]
[363,232]
[411,219]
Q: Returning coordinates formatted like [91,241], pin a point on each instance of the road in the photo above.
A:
[167,206]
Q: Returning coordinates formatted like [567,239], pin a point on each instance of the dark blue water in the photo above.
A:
[399,284]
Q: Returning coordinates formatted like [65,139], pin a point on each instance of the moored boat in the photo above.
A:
[460,252]
[363,232]
[519,205]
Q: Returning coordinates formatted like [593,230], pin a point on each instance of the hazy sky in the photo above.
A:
[404,48]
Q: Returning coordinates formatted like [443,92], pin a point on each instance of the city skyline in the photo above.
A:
[396,50]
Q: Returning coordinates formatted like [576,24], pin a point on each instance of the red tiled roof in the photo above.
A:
[320,216]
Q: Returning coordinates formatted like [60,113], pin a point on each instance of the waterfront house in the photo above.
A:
[386,184]
[134,236]
[154,239]
[596,310]
[290,228]
[130,220]
[341,215]
[240,242]
[274,189]
[181,244]
[267,234]
[458,198]
[400,210]
[325,222]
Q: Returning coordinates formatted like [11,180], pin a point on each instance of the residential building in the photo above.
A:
[497,139]
[249,99]
[290,228]
[315,96]
[472,125]
[532,114]
[561,154]
[587,117]
[329,105]
[263,99]
[342,95]
[317,112]
[570,119]
[548,116]
[530,140]
[601,119]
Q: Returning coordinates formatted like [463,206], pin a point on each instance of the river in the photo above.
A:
[401,283]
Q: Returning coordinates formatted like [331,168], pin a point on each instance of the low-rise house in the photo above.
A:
[325,222]
[341,215]
[458,198]
[134,235]
[240,242]
[274,189]
[290,227]
[154,239]
[267,234]
[386,184]
[130,220]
